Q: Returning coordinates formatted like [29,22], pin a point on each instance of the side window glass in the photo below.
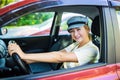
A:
[33,24]
[118,17]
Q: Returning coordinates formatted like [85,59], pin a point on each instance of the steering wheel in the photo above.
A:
[21,64]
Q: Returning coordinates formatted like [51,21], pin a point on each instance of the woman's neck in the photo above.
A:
[83,43]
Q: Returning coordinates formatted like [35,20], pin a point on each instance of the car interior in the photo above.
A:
[52,42]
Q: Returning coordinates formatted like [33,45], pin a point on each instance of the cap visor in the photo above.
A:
[75,26]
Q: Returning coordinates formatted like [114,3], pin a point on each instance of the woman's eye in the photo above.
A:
[71,31]
[78,29]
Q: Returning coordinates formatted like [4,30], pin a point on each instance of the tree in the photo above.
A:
[6,2]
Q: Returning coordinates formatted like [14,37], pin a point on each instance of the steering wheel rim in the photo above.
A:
[21,64]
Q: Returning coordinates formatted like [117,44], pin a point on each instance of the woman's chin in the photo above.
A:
[79,41]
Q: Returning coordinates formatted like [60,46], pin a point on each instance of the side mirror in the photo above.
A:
[3,31]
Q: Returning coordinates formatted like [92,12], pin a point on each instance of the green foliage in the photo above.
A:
[5,2]
[32,19]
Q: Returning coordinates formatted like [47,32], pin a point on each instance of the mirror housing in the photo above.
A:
[3,31]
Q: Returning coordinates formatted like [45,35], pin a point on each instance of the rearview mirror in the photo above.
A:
[3,31]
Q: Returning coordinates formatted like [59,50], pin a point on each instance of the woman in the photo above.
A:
[82,52]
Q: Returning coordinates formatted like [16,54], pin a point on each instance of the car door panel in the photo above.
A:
[100,73]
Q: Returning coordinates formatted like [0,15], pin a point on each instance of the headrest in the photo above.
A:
[96,26]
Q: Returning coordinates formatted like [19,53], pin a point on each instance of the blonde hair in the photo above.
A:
[88,29]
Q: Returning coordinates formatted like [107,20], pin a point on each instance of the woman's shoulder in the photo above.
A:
[92,45]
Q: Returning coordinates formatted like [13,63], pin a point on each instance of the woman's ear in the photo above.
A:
[87,28]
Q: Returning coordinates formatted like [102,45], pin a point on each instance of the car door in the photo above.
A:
[101,31]
[100,26]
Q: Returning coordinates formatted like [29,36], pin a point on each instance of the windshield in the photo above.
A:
[37,23]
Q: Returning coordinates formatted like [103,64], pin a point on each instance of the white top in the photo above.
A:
[89,53]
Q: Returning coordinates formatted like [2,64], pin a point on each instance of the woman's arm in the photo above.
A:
[51,57]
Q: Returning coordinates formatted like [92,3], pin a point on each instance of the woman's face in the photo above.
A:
[79,34]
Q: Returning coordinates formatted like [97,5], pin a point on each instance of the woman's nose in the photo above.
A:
[75,33]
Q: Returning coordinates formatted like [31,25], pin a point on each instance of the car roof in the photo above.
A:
[59,2]
[115,3]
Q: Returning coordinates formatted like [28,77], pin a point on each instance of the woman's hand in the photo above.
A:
[15,48]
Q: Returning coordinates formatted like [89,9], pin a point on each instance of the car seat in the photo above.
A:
[61,43]
[95,29]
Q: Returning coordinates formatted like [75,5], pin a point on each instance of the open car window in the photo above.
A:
[33,24]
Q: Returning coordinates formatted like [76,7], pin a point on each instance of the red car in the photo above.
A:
[40,26]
